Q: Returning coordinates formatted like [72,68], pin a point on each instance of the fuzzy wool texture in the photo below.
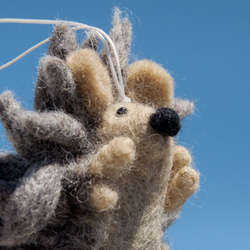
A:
[90,172]
[62,42]
[121,35]
[184,179]
[56,89]
[40,136]
[149,83]
[92,80]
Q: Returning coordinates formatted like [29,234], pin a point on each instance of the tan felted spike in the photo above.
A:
[149,83]
[92,80]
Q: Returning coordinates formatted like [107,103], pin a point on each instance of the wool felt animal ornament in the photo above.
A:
[92,170]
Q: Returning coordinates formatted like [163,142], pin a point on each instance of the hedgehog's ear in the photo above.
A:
[149,83]
[182,107]
[92,81]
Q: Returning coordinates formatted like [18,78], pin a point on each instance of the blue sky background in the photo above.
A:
[206,47]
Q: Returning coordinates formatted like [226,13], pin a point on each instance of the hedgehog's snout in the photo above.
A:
[166,122]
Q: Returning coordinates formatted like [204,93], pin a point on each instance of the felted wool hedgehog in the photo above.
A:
[92,171]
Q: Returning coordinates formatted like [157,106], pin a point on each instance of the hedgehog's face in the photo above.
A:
[139,122]
[127,119]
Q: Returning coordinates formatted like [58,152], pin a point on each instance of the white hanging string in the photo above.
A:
[24,54]
[105,39]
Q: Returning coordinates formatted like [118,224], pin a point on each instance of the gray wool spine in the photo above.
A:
[26,129]
[56,89]
[121,35]
[63,41]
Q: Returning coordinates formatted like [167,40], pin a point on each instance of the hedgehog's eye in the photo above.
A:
[121,111]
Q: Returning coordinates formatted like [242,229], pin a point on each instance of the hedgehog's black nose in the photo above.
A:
[166,122]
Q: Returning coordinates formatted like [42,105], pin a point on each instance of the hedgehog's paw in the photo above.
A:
[184,180]
[113,158]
